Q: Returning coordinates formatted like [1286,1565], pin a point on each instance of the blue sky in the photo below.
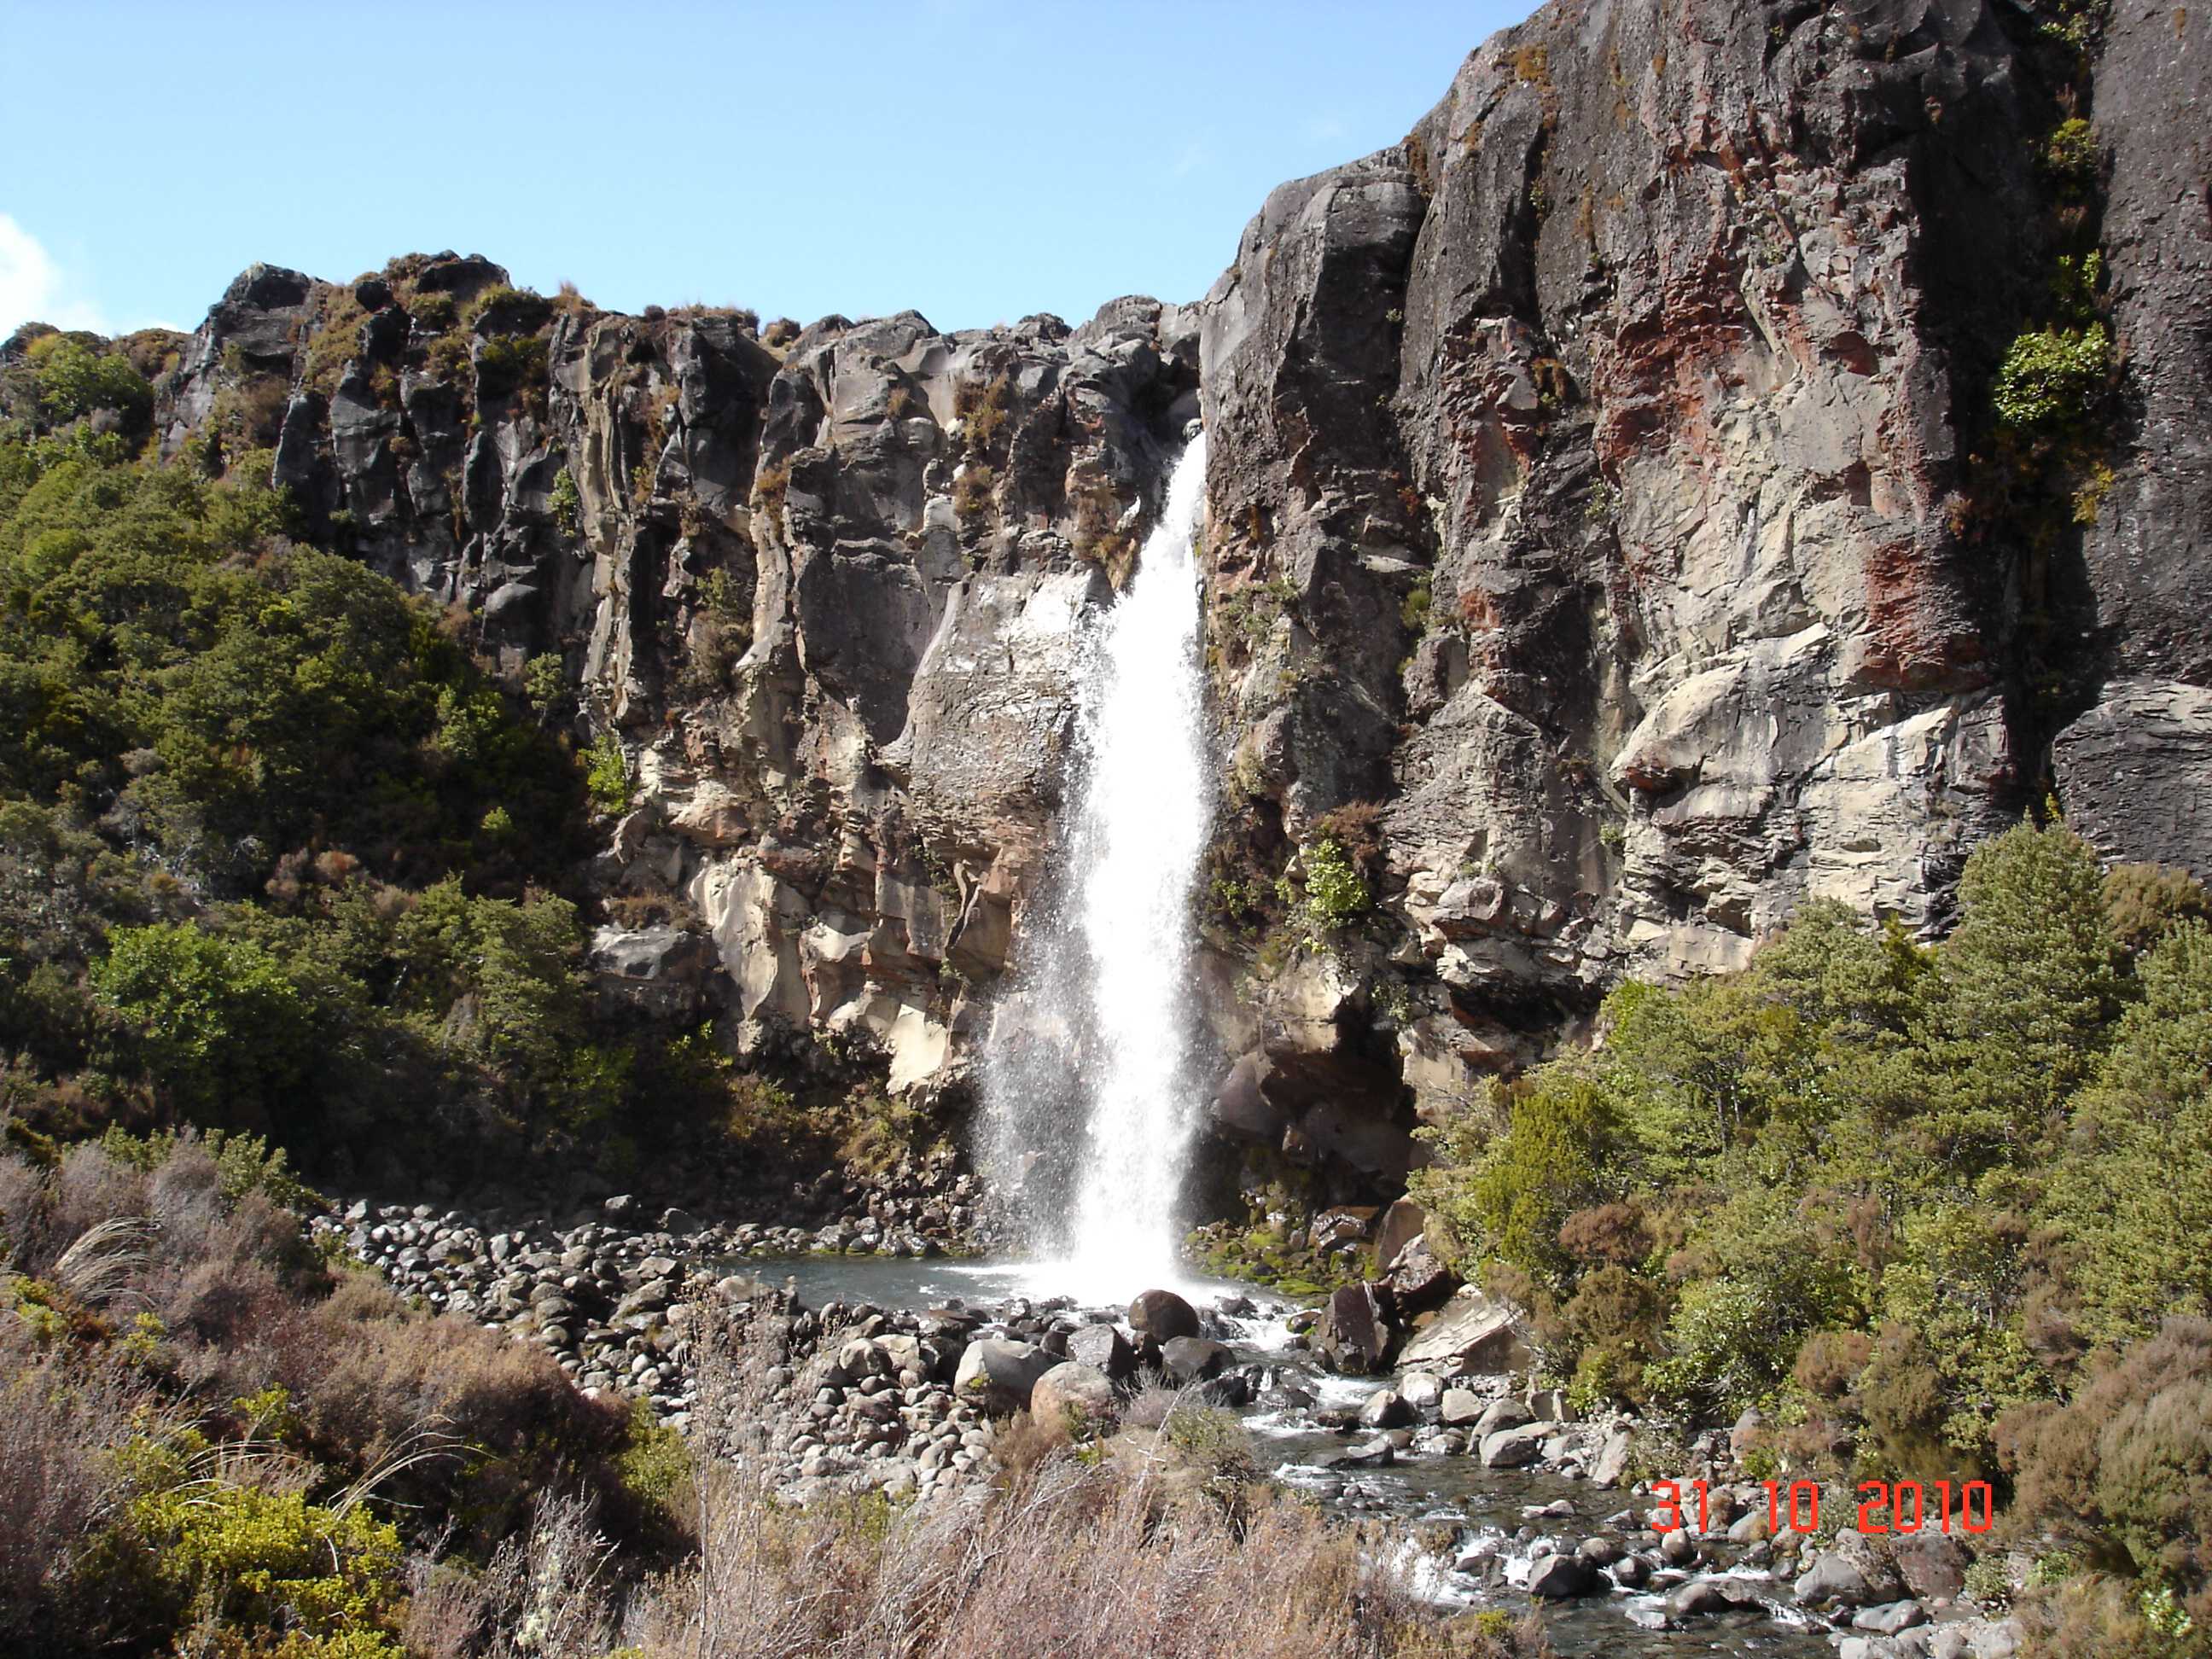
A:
[973,161]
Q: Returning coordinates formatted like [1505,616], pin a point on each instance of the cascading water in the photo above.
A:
[1107,992]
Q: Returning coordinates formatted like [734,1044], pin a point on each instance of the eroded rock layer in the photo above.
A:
[1599,487]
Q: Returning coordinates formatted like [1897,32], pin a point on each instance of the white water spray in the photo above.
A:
[1101,1023]
[1146,802]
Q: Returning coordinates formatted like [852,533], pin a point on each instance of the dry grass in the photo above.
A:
[1160,1540]
[1125,1544]
[1063,1555]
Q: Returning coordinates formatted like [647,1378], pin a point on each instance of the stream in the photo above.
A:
[1490,1509]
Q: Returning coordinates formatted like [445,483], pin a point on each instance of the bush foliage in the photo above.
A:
[1911,1201]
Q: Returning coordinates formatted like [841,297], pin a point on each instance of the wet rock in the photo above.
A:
[1459,1408]
[1699,1596]
[1386,1410]
[1346,1224]
[1353,1335]
[1375,1454]
[1422,1391]
[1561,1578]
[1831,1581]
[1890,1617]
[1503,1414]
[1510,1448]
[1188,1360]
[1417,1281]
[1162,1315]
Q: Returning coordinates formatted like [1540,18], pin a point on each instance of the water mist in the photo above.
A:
[1107,993]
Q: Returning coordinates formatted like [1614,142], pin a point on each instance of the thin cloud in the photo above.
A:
[1326,128]
[1198,153]
[34,289]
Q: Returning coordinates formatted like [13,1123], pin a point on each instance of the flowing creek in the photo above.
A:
[1487,1511]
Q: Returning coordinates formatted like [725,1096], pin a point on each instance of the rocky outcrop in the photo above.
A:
[1594,483]
[2133,764]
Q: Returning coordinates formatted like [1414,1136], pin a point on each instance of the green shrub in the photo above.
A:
[1550,1162]
[1414,612]
[74,376]
[507,363]
[434,313]
[2142,901]
[2052,377]
[259,1564]
[2071,157]
[1335,893]
[244,1163]
[217,1022]
[656,1468]
[567,502]
[2133,1198]
[606,774]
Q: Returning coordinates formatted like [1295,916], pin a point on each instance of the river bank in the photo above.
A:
[892,1367]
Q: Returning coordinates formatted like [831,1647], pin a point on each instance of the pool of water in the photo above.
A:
[1484,1508]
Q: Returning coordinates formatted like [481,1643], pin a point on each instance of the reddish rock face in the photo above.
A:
[1600,484]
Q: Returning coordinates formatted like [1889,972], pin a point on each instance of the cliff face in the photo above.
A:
[1598,486]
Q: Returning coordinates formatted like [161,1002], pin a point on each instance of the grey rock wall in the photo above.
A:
[1586,492]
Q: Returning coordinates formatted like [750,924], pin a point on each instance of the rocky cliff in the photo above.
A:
[1613,504]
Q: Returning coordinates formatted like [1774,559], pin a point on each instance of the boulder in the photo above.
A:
[1424,1390]
[1746,1433]
[1417,1281]
[1162,1315]
[1386,1410]
[1890,1617]
[1375,1454]
[999,1376]
[1612,1462]
[1932,1563]
[1401,1224]
[1472,1333]
[1459,1408]
[1074,1396]
[1354,1336]
[1699,1596]
[1348,1224]
[1510,1448]
[1503,1414]
[1831,1580]
[1187,1359]
[1105,1349]
[1561,1578]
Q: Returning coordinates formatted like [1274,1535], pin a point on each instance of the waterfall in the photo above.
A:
[1102,1030]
